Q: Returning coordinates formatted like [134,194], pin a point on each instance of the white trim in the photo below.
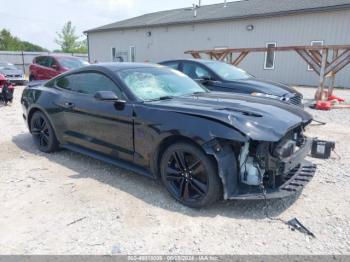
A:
[312,44]
[130,56]
[274,57]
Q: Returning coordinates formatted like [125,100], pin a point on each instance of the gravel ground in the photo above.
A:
[66,203]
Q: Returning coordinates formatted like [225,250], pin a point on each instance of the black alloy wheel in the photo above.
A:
[43,133]
[190,176]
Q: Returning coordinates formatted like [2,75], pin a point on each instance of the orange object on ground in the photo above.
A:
[335,98]
[323,105]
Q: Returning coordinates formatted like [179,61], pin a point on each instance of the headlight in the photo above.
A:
[265,95]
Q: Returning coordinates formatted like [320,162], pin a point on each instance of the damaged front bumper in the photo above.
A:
[263,170]
[293,182]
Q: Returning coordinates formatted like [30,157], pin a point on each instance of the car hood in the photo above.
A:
[268,87]
[11,72]
[260,119]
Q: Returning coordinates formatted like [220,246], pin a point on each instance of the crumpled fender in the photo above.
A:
[227,167]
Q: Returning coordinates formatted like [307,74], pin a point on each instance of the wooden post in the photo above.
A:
[319,95]
[24,68]
[332,78]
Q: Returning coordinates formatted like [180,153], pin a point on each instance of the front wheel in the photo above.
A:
[190,175]
[43,133]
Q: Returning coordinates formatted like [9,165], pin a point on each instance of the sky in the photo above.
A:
[37,21]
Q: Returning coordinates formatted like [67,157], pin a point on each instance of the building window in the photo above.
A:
[315,43]
[114,52]
[270,57]
[132,54]
[119,56]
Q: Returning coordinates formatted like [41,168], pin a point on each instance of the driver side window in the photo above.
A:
[196,71]
[89,83]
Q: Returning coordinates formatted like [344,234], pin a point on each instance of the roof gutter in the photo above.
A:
[274,14]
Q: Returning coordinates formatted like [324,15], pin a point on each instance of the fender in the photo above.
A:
[153,128]
[32,110]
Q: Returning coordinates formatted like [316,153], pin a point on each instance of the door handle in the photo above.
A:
[68,105]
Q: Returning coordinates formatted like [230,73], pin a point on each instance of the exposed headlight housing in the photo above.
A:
[266,95]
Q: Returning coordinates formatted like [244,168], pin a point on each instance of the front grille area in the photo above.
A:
[296,100]
[298,177]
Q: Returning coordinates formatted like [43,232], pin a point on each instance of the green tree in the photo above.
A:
[69,41]
[83,48]
[8,42]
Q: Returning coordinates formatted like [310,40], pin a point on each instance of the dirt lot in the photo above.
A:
[65,203]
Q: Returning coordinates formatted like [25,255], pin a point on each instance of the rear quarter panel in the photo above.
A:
[43,99]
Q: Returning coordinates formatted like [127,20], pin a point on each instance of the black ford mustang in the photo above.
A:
[222,77]
[156,121]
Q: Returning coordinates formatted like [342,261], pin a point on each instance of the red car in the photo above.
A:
[47,67]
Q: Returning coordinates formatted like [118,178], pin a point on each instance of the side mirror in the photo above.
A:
[109,96]
[204,79]
[54,66]
[106,96]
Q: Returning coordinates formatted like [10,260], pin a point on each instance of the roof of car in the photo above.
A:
[59,55]
[233,10]
[202,61]
[115,66]
[121,66]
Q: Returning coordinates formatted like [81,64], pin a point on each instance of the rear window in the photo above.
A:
[40,60]
[173,65]
[51,83]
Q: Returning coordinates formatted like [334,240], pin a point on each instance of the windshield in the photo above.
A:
[228,72]
[72,63]
[157,83]
[7,66]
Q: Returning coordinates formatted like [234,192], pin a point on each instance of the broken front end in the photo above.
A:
[266,169]
[275,169]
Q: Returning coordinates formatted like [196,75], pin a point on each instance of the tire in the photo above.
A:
[43,133]
[190,176]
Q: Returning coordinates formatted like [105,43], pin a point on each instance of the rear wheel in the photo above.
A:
[43,133]
[190,175]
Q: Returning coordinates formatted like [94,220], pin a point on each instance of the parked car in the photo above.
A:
[223,77]
[47,67]
[12,73]
[158,122]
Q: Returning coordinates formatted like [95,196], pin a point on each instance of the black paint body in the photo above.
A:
[135,136]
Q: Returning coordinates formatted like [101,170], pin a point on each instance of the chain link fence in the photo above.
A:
[23,59]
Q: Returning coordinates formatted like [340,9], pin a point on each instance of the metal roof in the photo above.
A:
[233,10]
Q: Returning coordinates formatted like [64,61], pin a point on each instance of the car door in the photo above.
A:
[202,75]
[37,70]
[90,123]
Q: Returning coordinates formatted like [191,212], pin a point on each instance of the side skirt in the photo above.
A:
[116,162]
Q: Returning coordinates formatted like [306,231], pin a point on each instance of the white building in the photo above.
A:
[252,23]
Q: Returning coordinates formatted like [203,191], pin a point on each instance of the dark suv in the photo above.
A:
[47,67]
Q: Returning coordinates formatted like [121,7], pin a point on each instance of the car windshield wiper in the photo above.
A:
[200,92]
